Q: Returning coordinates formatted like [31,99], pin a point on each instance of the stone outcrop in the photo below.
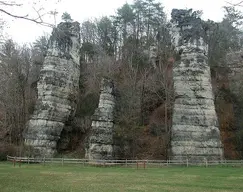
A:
[195,133]
[100,144]
[58,88]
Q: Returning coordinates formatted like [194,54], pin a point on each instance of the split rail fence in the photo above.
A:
[139,164]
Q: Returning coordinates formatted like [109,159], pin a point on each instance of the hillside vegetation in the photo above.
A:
[132,47]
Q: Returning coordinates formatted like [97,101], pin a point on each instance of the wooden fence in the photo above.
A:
[122,163]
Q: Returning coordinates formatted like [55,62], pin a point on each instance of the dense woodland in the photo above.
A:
[132,47]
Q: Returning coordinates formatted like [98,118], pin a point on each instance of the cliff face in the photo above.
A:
[195,132]
[235,76]
[100,144]
[58,87]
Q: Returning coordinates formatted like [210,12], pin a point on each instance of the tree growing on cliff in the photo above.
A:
[66,17]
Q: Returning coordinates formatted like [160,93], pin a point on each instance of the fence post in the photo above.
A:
[206,162]
[187,163]
[28,160]
[137,165]
[126,162]
[44,160]
[14,161]
[62,161]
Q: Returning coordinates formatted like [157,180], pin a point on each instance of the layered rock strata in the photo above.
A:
[58,87]
[195,134]
[100,144]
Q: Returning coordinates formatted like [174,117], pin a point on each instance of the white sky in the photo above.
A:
[25,31]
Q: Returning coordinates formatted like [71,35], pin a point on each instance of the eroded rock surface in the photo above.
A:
[195,132]
[100,144]
[58,87]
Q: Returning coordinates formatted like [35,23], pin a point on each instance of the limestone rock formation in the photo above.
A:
[100,144]
[58,87]
[195,132]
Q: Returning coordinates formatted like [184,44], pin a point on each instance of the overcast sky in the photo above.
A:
[25,31]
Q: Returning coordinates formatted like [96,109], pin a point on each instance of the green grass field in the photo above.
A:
[72,178]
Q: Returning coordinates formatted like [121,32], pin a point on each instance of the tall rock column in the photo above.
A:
[195,134]
[100,144]
[58,87]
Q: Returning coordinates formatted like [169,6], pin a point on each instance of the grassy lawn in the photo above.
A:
[72,178]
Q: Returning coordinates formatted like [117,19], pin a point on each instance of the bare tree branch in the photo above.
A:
[239,4]
[36,19]
[38,13]
[10,3]
[28,19]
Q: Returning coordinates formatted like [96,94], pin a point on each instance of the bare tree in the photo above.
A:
[15,65]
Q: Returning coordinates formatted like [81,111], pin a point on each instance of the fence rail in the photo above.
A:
[126,163]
